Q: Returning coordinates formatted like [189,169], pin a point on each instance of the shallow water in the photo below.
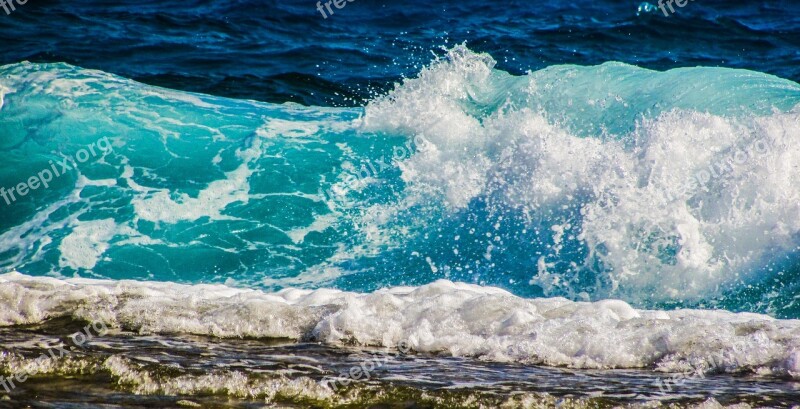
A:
[130,370]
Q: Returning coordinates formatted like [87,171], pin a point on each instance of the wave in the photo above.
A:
[663,189]
[452,319]
[599,181]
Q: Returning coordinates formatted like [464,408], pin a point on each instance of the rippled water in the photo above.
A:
[280,51]
[174,371]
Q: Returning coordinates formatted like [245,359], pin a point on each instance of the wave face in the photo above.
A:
[658,188]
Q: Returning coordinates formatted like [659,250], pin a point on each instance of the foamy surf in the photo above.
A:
[444,318]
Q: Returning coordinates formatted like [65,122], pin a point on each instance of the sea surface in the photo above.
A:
[487,204]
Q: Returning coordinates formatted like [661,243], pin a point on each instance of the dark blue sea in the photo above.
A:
[360,203]
[286,51]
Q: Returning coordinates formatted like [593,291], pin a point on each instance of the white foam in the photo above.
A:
[451,318]
[3,92]
[189,98]
[161,205]
[86,243]
[230,383]
[628,200]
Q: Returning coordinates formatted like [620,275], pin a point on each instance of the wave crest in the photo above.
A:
[597,181]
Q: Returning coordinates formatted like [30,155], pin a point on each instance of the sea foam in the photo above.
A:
[607,181]
[454,319]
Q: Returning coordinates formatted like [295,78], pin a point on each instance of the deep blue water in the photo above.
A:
[279,51]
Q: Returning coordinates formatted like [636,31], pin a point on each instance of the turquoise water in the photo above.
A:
[568,181]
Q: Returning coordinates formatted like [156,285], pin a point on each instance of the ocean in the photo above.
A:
[397,204]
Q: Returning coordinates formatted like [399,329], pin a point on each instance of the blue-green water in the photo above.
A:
[573,181]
